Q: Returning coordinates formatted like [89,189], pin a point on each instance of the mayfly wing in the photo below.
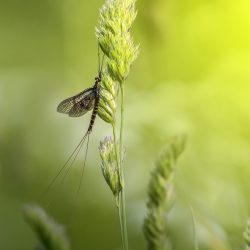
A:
[83,106]
[66,105]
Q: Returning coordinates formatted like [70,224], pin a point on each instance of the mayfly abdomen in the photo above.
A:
[94,113]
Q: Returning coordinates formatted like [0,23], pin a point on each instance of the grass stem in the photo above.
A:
[121,170]
[120,207]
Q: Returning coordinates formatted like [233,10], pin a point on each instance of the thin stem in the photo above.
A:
[119,200]
[115,142]
[196,245]
[121,170]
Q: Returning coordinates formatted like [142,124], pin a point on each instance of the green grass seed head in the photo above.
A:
[247,235]
[109,167]
[50,234]
[161,195]
[108,96]
[113,33]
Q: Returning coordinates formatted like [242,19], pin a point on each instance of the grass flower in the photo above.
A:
[161,195]
[50,234]
[115,40]
[247,235]
[107,103]
[109,167]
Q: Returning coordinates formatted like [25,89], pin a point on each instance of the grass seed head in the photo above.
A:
[109,167]
[113,33]
[247,235]
[51,235]
[108,96]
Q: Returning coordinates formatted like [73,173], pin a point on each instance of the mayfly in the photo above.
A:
[83,102]
[76,106]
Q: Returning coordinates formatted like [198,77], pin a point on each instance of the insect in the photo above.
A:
[83,102]
[76,106]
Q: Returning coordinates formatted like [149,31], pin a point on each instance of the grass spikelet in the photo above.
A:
[115,40]
[51,235]
[161,195]
[107,104]
[247,235]
[109,166]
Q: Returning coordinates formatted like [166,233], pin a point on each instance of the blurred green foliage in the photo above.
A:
[192,76]
[50,234]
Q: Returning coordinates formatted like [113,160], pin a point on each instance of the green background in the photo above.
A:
[192,76]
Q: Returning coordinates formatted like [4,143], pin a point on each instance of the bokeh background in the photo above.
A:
[192,76]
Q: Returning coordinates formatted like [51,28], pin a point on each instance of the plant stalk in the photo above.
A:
[196,245]
[120,210]
[123,204]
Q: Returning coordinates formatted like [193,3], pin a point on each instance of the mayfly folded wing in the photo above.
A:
[79,104]
[83,106]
